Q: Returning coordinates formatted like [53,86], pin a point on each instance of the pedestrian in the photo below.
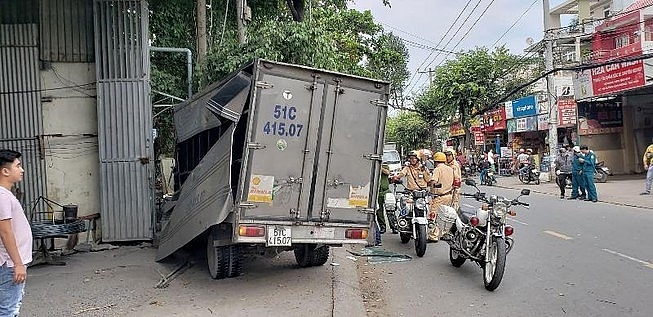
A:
[15,236]
[484,166]
[589,167]
[648,166]
[563,170]
[384,187]
[444,175]
[577,179]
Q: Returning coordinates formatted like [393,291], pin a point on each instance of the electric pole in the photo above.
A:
[201,31]
[240,17]
[549,37]
[432,134]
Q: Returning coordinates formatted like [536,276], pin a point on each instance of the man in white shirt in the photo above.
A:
[15,236]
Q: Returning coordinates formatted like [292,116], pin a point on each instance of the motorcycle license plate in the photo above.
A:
[278,236]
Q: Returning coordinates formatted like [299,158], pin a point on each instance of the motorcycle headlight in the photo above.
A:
[500,210]
[420,204]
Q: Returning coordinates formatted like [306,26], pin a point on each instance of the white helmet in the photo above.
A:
[576,148]
[427,153]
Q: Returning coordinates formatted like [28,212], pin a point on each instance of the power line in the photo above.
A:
[515,23]
[442,39]
[425,47]
[45,89]
[469,30]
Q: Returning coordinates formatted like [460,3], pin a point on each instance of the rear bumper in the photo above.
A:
[332,234]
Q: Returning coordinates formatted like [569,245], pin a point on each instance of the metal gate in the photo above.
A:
[124,119]
[21,122]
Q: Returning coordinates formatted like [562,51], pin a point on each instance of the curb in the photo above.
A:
[347,296]
[602,201]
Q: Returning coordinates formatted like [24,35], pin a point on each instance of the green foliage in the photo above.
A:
[471,83]
[408,130]
[390,62]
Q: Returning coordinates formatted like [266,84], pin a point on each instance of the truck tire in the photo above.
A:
[223,261]
[310,255]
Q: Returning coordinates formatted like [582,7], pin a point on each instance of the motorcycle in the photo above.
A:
[601,172]
[411,211]
[490,179]
[482,237]
[532,175]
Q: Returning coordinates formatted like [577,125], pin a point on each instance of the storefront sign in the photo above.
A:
[566,112]
[526,124]
[456,129]
[524,107]
[494,120]
[609,79]
[512,126]
[600,117]
[479,138]
[543,121]
[507,106]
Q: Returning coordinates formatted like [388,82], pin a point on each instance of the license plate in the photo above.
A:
[279,236]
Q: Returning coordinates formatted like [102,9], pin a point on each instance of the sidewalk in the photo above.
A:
[619,189]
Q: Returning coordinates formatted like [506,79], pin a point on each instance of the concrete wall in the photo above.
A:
[70,141]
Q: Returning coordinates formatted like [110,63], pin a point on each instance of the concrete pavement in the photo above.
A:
[621,190]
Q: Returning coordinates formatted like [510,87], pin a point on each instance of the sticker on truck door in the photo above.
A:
[359,195]
[260,189]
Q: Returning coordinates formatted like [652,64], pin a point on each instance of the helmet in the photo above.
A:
[413,153]
[427,153]
[439,157]
[521,150]
[576,148]
[450,150]
[529,150]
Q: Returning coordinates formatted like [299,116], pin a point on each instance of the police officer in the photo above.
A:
[444,175]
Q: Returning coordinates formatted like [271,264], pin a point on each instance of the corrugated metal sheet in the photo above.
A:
[20,106]
[124,119]
[18,11]
[66,30]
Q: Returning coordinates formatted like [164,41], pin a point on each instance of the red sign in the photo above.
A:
[495,120]
[479,138]
[618,77]
[566,112]
[456,129]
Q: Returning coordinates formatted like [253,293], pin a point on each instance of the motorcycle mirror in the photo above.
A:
[470,182]
[525,192]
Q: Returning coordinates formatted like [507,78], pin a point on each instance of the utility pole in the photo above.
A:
[201,31]
[549,37]
[432,134]
[240,17]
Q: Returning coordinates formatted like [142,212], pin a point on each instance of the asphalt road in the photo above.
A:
[571,258]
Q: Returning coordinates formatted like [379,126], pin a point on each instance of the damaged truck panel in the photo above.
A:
[279,157]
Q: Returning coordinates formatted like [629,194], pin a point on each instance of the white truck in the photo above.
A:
[276,157]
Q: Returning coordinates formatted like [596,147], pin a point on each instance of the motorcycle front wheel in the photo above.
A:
[600,176]
[495,264]
[524,178]
[455,258]
[420,242]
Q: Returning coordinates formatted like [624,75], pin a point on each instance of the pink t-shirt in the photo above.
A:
[10,208]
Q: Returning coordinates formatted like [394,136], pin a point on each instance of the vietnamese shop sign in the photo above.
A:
[566,112]
[522,124]
[524,107]
[599,118]
[609,79]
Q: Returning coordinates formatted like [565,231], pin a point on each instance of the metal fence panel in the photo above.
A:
[124,119]
[66,30]
[20,107]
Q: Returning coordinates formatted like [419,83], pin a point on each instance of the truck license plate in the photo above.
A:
[279,236]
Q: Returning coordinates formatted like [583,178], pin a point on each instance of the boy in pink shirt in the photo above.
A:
[15,236]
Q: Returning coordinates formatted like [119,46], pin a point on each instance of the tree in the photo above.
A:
[473,83]
[390,62]
[408,130]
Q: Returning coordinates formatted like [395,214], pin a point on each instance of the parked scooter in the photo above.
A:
[483,236]
[490,179]
[601,172]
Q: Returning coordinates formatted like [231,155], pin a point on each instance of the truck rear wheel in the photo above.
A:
[223,261]
[311,255]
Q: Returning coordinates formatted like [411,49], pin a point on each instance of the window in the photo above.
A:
[621,41]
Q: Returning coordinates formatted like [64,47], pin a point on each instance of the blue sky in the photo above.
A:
[425,22]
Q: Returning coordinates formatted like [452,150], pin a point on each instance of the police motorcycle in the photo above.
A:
[531,175]
[411,210]
[482,237]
